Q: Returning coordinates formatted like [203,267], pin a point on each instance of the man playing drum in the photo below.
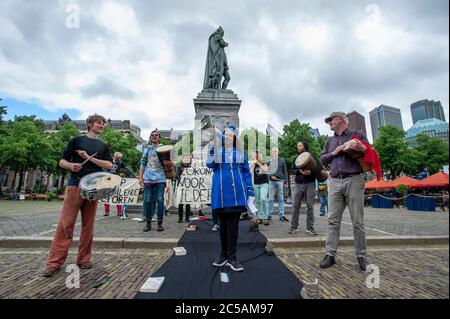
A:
[345,188]
[304,188]
[77,158]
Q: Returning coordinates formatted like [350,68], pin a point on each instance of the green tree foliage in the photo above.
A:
[402,189]
[124,143]
[25,146]
[2,112]
[164,141]
[2,123]
[432,153]
[252,139]
[293,133]
[393,150]
[185,146]
[59,141]
[321,140]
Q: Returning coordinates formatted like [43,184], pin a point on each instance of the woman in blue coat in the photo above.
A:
[231,188]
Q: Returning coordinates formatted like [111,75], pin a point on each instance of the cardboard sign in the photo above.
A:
[195,186]
[127,193]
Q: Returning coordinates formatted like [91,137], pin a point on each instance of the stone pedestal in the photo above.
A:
[223,108]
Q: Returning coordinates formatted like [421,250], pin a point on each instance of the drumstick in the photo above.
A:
[87,159]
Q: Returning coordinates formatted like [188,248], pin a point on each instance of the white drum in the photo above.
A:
[99,185]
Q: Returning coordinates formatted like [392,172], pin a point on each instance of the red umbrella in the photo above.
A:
[407,181]
[381,184]
[437,180]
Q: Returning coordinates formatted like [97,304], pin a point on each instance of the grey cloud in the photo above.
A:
[105,86]
[343,76]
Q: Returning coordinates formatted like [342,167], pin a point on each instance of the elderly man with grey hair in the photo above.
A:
[278,179]
[118,167]
[345,187]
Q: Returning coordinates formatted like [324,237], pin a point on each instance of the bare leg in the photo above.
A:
[227,79]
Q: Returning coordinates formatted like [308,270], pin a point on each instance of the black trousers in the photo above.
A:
[180,210]
[229,231]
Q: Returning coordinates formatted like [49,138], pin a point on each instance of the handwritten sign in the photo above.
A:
[126,193]
[195,186]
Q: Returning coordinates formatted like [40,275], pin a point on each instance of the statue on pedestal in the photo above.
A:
[216,62]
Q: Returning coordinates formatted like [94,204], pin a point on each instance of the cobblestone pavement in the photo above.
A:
[124,270]
[39,218]
[405,272]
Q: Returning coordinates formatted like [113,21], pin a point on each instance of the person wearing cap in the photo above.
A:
[345,188]
[153,179]
[232,187]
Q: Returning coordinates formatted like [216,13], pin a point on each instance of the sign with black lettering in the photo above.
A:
[195,186]
[126,193]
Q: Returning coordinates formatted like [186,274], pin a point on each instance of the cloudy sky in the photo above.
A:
[144,60]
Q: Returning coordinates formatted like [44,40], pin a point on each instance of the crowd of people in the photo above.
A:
[236,181]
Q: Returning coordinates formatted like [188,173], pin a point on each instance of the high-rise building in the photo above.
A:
[425,109]
[314,132]
[357,121]
[384,115]
[431,127]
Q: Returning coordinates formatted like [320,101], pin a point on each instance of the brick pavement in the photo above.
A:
[406,272]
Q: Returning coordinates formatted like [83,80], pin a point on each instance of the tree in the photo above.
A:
[2,112]
[393,150]
[253,140]
[321,140]
[185,145]
[293,133]
[124,143]
[59,141]
[432,153]
[25,147]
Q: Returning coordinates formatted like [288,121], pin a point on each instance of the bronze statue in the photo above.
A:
[216,62]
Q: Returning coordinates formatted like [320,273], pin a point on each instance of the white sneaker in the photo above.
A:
[293,230]
[215,227]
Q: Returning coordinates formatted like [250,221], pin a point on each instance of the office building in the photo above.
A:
[384,115]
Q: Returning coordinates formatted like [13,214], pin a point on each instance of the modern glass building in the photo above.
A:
[384,115]
[425,109]
[432,127]
[314,132]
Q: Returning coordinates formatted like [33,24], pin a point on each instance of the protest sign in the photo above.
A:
[194,186]
[126,193]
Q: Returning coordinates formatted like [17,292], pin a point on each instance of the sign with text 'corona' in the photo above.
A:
[195,186]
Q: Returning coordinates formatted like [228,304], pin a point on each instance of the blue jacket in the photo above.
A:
[154,172]
[231,181]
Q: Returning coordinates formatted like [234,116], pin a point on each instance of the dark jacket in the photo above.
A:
[278,170]
[179,171]
[119,167]
[304,179]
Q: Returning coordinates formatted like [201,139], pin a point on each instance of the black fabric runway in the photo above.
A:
[194,277]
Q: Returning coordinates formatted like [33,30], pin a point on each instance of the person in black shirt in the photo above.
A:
[304,188]
[186,162]
[261,185]
[78,150]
